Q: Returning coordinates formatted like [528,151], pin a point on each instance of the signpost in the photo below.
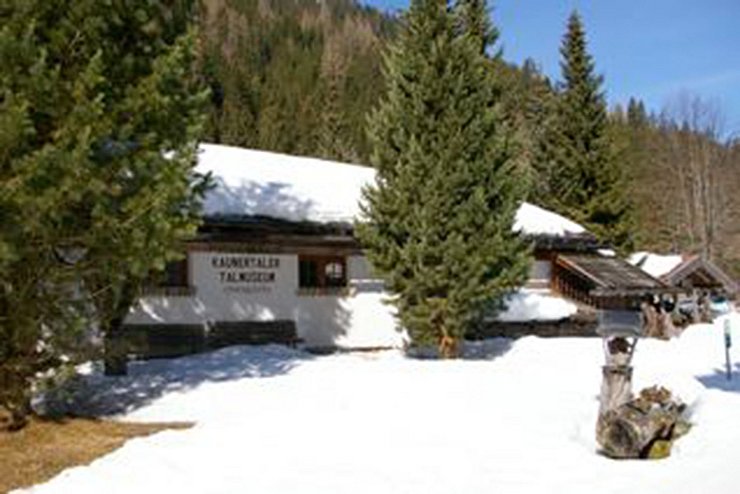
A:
[728,344]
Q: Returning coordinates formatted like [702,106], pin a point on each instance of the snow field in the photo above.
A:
[513,417]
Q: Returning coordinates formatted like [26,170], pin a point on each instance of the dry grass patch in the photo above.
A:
[44,448]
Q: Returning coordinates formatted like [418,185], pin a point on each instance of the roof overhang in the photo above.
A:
[613,276]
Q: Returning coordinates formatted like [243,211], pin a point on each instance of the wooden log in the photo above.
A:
[630,432]
[642,428]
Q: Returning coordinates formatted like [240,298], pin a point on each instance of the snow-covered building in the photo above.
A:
[573,277]
[701,288]
[689,273]
[276,258]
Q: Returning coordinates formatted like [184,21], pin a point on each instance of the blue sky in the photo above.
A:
[652,49]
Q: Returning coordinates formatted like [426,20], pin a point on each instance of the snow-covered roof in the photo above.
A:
[534,220]
[656,265]
[261,183]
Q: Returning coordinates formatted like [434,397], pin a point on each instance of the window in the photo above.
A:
[321,274]
[173,281]
[176,274]
[308,273]
[334,274]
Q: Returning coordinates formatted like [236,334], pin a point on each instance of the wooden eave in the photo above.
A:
[583,242]
[268,224]
[247,233]
[613,276]
[274,235]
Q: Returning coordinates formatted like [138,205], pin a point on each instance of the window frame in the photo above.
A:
[171,283]
[320,283]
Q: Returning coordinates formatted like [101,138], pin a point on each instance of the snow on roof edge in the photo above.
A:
[297,188]
[656,265]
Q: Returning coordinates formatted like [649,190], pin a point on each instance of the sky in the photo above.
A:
[651,49]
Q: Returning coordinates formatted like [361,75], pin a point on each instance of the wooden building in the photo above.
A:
[699,273]
[276,260]
[605,282]
[572,263]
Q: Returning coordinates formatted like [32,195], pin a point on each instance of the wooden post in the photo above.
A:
[616,387]
[728,344]
[616,382]
[695,306]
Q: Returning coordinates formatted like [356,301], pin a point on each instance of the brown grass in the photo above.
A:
[46,447]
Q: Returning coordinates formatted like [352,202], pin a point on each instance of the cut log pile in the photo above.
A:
[644,427]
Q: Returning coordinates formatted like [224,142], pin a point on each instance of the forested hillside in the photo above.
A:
[296,76]
[683,178]
[301,76]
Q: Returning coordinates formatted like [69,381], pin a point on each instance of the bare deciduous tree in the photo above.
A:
[696,163]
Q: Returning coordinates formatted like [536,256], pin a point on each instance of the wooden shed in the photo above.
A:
[604,282]
[699,273]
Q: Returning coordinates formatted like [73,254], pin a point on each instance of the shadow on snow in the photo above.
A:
[718,380]
[96,395]
[488,349]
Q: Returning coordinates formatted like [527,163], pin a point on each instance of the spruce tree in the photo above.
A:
[438,221]
[99,115]
[584,180]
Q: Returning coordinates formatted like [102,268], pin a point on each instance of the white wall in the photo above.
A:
[264,287]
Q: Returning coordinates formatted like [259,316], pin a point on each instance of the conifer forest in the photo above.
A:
[301,77]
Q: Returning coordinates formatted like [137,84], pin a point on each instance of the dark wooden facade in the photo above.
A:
[276,236]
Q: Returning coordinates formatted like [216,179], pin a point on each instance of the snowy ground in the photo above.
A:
[513,417]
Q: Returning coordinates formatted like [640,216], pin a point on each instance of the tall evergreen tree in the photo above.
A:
[99,115]
[584,180]
[473,19]
[527,100]
[439,219]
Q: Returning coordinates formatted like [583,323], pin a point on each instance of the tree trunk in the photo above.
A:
[116,344]
[448,347]
[15,401]
[115,359]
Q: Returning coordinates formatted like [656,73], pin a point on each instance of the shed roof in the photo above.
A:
[612,275]
[702,273]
